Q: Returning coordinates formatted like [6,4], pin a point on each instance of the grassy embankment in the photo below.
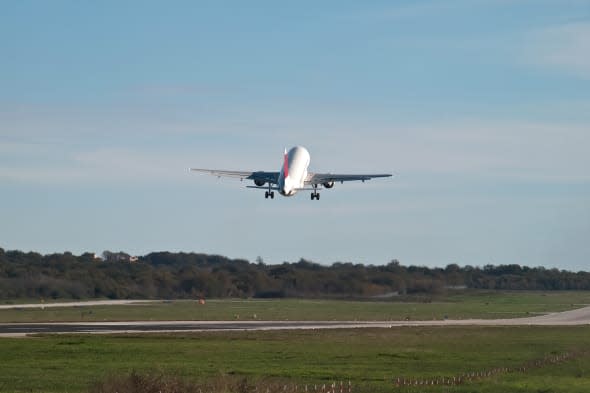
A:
[461,305]
[371,359]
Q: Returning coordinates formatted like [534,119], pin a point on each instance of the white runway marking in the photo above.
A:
[76,304]
[567,318]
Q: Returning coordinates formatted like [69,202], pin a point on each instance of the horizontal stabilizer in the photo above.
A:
[264,187]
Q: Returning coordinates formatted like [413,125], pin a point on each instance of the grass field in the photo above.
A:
[371,359]
[459,305]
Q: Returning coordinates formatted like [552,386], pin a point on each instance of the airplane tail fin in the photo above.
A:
[286,164]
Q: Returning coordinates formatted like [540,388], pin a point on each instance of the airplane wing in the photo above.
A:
[268,177]
[321,178]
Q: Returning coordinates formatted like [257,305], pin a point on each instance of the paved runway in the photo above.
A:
[15,329]
[568,318]
[86,303]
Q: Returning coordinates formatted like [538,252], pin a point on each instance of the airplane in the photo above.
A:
[292,177]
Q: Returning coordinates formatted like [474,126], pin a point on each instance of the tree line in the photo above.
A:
[190,275]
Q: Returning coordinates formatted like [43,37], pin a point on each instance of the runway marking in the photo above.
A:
[76,304]
[567,318]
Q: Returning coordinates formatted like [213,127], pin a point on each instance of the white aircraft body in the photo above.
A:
[292,177]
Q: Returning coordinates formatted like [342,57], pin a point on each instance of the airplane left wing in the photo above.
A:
[321,178]
[261,176]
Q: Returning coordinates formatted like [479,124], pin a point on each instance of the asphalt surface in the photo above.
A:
[76,304]
[165,326]
[568,318]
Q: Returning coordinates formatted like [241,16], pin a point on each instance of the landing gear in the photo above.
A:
[315,194]
[269,193]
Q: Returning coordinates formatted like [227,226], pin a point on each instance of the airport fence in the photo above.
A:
[475,376]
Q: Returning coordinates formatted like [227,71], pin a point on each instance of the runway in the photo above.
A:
[576,317]
[86,303]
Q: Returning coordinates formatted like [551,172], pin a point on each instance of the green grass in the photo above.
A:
[458,305]
[369,358]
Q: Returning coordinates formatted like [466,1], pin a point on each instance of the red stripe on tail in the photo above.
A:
[286,165]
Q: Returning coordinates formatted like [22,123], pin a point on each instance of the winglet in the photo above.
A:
[286,164]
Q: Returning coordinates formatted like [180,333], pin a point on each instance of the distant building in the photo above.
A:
[456,287]
[118,257]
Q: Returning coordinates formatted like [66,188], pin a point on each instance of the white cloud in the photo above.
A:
[103,166]
[541,152]
[509,149]
[565,47]
[55,146]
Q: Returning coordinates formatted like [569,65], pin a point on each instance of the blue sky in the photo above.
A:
[480,108]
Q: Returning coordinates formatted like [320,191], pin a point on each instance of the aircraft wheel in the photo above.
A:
[272,195]
[317,196]
[312,196]
[266,194]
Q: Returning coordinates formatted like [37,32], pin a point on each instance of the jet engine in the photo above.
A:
[259,182]
[328,184]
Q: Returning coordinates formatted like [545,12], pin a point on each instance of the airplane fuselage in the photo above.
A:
[294,171]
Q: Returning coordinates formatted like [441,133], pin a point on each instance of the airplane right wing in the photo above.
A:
[259,176]
[322,178]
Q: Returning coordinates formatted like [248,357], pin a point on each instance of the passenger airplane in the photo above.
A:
[292,177]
